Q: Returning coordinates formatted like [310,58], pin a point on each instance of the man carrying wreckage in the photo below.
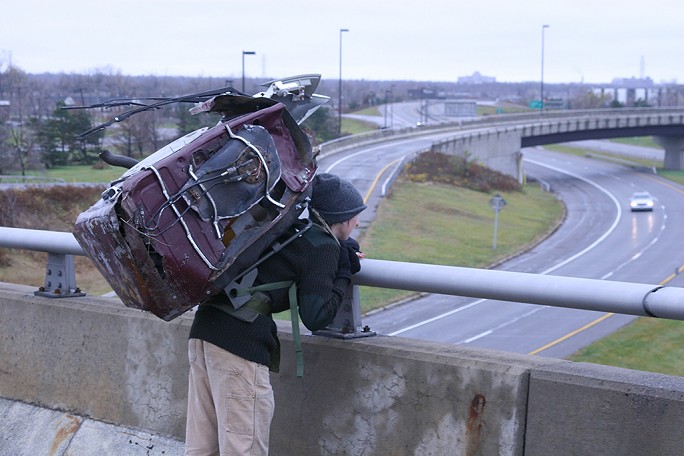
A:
[230,399]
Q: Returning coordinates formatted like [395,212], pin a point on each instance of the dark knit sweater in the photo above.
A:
[311,260]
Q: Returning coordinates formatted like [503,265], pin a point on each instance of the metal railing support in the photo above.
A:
[60,278]
[347,323]
[60,274]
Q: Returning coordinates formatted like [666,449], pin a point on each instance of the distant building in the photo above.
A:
[632,83]
[460,108]
[4,110]
[476,78]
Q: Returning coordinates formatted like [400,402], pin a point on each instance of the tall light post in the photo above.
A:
[544,27]
[392,107]
[386,103]
[244,53]
[339,93]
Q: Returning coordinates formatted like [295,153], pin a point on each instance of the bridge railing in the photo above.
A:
[589,294]
[664,115]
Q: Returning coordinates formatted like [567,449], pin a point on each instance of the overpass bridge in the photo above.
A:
[497,140]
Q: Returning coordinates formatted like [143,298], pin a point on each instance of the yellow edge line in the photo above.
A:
[377,178]
[569,335]
[598,320]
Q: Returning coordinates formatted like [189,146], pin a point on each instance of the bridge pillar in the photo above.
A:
[674,151]
[498,149]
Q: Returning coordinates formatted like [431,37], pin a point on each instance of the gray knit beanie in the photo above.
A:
[337,200]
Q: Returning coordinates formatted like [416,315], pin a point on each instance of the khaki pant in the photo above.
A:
[230,403]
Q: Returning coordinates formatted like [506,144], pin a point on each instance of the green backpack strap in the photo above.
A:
[294,314]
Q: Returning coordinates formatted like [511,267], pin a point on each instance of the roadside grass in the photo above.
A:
[643,141]
[647,344]
[675,176]
[355,126]
[447,225]
[84,173]
[582,152]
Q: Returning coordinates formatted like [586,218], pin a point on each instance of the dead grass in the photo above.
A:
[53,208]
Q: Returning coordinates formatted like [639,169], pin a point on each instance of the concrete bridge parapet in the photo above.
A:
[111,377]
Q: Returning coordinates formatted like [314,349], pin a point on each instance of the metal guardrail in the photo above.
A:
[18,179]
[557,291]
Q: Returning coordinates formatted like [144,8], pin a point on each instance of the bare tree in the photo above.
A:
[23,146]
[5,150]
[138,136]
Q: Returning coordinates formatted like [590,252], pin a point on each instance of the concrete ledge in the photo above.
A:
[29,430]
[95,358]
[92,375]
[582,408]
[389,395]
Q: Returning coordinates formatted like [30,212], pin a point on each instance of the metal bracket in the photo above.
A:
[60,278]
[347,323]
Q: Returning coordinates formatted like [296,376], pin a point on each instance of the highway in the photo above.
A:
[599,239]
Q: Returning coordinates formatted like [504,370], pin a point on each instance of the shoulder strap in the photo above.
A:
[294,314]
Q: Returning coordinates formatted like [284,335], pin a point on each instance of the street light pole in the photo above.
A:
[392,107]
[386,102]
[339,94]
[544,27]
[244,53]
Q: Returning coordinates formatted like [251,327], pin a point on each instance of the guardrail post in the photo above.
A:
[60,278]
[347,323]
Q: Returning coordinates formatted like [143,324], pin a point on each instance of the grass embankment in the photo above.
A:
[647,344]
[83,173]
[443,224]
[53,209]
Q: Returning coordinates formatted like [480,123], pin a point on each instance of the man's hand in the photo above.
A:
[351,247]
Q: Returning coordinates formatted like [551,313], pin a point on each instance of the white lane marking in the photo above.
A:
[502,325]
[438,317]
[600,239]
[551,269]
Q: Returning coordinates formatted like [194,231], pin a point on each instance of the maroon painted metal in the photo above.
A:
[179,226]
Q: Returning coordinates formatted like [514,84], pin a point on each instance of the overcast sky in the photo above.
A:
[428,40]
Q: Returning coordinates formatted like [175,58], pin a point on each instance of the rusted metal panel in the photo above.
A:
[174,231]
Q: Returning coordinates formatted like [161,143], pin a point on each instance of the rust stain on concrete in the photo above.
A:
[474,425]
[65,430]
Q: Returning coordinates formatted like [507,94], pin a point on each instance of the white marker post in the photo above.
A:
[497,203]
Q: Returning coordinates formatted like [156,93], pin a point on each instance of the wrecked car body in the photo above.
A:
[181,225]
